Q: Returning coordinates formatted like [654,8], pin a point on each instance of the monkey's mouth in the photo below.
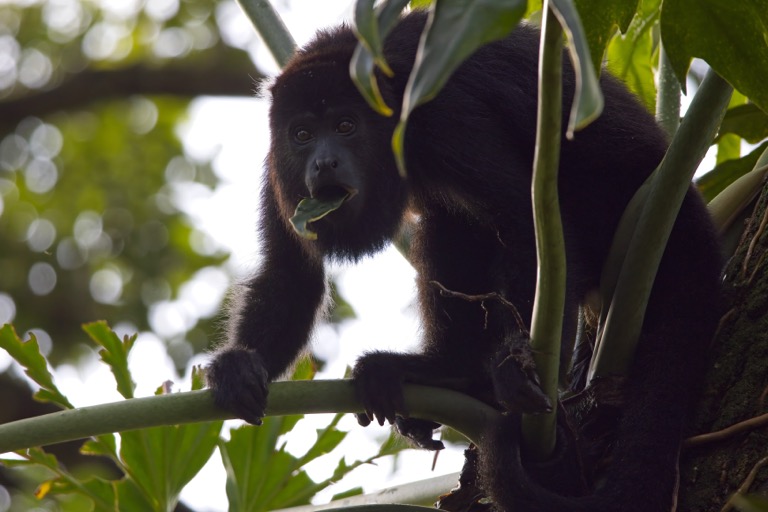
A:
[325,200]
[332,193]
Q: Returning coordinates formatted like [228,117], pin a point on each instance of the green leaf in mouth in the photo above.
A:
[311,209]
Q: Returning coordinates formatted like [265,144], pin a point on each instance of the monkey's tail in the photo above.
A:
[513,488]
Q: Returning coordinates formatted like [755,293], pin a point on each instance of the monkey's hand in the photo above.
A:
[378,378]
[238,380]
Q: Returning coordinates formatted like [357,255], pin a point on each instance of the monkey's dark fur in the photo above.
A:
[469,155]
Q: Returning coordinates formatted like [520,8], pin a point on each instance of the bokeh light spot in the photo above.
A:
[42,278]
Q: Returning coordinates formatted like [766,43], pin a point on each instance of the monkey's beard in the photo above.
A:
[358,228]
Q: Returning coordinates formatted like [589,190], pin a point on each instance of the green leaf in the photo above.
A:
[40,456]
[104,446]
[630,59]
[198,378]
[719,178]
[28,355]
[162,460]
[455,29]
[747,121]
[372,27]
[355,491]
[588,97]
[728,205]
[730,36]
[328,438]
[367,30]
[362,72]
[728,148]
[305,369]
[420,4]
[262,478]
[729,144]
[312,209]
[131,497]
[114,353]
[533,10]
[256,473]
[102,493]
[600,19]
[98,491]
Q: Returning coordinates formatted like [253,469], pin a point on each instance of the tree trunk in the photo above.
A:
[735,386]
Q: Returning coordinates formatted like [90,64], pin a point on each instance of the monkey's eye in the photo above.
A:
[345,127]
[301,135]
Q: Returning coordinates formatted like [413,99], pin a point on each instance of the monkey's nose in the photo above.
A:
[325,164]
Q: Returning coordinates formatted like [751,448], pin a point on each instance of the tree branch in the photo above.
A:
[222,71]
[463,413]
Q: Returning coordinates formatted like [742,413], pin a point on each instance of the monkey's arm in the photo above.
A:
[271,316]
[460,336]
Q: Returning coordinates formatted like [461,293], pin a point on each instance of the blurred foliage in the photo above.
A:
[155,464]
[92,175]
[90,225]
[90,229]
[46,41]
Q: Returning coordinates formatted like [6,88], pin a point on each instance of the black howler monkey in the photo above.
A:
[469,156]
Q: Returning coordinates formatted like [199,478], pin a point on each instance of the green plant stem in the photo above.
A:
[667,96]
[271,28]
[667,189]
[457,410]
[546,325]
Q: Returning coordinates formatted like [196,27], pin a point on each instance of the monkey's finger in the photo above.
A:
[251,408]
[253,419]
[395,407]
[391,417]
[363,419]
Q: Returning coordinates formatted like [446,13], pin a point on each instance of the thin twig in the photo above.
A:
[763,395]
[758,266]
[481,298]
[725,318]
[720,435]
[753,243]
[746,484]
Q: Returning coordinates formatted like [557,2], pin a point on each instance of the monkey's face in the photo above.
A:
[327,143]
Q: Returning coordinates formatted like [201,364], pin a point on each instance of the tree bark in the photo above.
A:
[736,384]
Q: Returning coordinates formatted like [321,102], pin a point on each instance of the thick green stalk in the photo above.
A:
[667,189]
[546,325]
[667,96]
[459,411]
[271,28]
